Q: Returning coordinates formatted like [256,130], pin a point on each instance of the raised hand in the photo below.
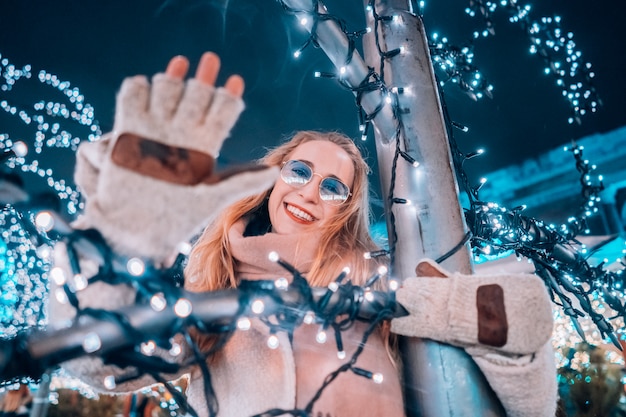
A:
[151,184]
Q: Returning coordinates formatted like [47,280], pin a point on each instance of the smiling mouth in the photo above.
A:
[298,214]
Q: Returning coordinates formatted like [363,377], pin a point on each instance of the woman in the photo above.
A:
[315,216]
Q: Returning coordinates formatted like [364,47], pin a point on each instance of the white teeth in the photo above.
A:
[299,213]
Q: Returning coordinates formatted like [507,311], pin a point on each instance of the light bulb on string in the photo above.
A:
[272,341]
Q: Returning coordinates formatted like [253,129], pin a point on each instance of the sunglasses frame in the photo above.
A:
[313,173]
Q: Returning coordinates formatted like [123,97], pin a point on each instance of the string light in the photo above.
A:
[158,302]
[148,348]
[556,48]
[182,308]
[92,343]
[244,323]
[52,121]
[272,341]
[455,65]
[257,306]
[135,267]
[109,382]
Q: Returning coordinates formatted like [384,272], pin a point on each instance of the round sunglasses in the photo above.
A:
[298,173]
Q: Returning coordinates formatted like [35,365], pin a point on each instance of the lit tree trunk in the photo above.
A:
[440,380]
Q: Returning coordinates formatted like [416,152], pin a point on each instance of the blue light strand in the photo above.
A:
[26,261]
[456,65]
[557,49]
[53,122]
[23,279]
[559,258]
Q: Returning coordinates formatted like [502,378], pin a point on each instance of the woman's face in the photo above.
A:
[296,210]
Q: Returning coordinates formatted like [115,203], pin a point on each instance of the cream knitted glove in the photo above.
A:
[505,313]
[150,185]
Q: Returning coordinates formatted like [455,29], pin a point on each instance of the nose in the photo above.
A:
[310,191]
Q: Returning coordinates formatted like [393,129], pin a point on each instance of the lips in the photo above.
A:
[298,214]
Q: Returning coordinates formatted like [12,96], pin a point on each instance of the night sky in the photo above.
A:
[94,45]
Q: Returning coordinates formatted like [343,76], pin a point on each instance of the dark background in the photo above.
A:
[94,45]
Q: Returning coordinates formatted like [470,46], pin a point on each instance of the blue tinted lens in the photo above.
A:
[334,191]
[296,173]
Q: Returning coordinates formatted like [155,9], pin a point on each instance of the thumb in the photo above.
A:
[429,268]
[241,185]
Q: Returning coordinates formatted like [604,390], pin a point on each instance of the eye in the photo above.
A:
[296,173]
[332,186]
[334,190]
[300,169]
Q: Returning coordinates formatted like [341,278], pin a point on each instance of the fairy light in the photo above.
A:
[244,323]
[148,348]
[44,221]
[109,382]
[52,122]
[23,277]
[558,50]
[559,259]
[273,256]
[79,282]
[272,341]
[58,275]
[281,283]
[183,308]
[455,65]
[257,306]
[176,349]
[158,302]
[20,149]
[321,337]
[92,343]
[184,248]
[135,267]
[309,317]
[61,296]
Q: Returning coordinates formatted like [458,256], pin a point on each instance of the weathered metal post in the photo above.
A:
[441,381]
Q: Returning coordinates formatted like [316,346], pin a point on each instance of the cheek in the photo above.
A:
[331,213]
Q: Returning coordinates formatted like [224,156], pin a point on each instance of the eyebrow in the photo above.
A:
[312,165]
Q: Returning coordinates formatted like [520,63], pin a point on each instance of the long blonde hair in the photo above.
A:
[344,240]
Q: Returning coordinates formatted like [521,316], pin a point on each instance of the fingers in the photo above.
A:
[427,268]
[208,68]
[177,67]
[235,85]
[206,73]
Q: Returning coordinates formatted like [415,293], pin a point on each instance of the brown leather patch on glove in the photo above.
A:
[492,324]
[170,163]
[157,160]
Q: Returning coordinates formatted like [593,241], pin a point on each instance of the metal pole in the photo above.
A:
[440,380]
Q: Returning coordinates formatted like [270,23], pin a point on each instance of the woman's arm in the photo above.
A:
[503,321]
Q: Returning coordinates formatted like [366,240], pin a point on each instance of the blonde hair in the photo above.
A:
[343,243]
